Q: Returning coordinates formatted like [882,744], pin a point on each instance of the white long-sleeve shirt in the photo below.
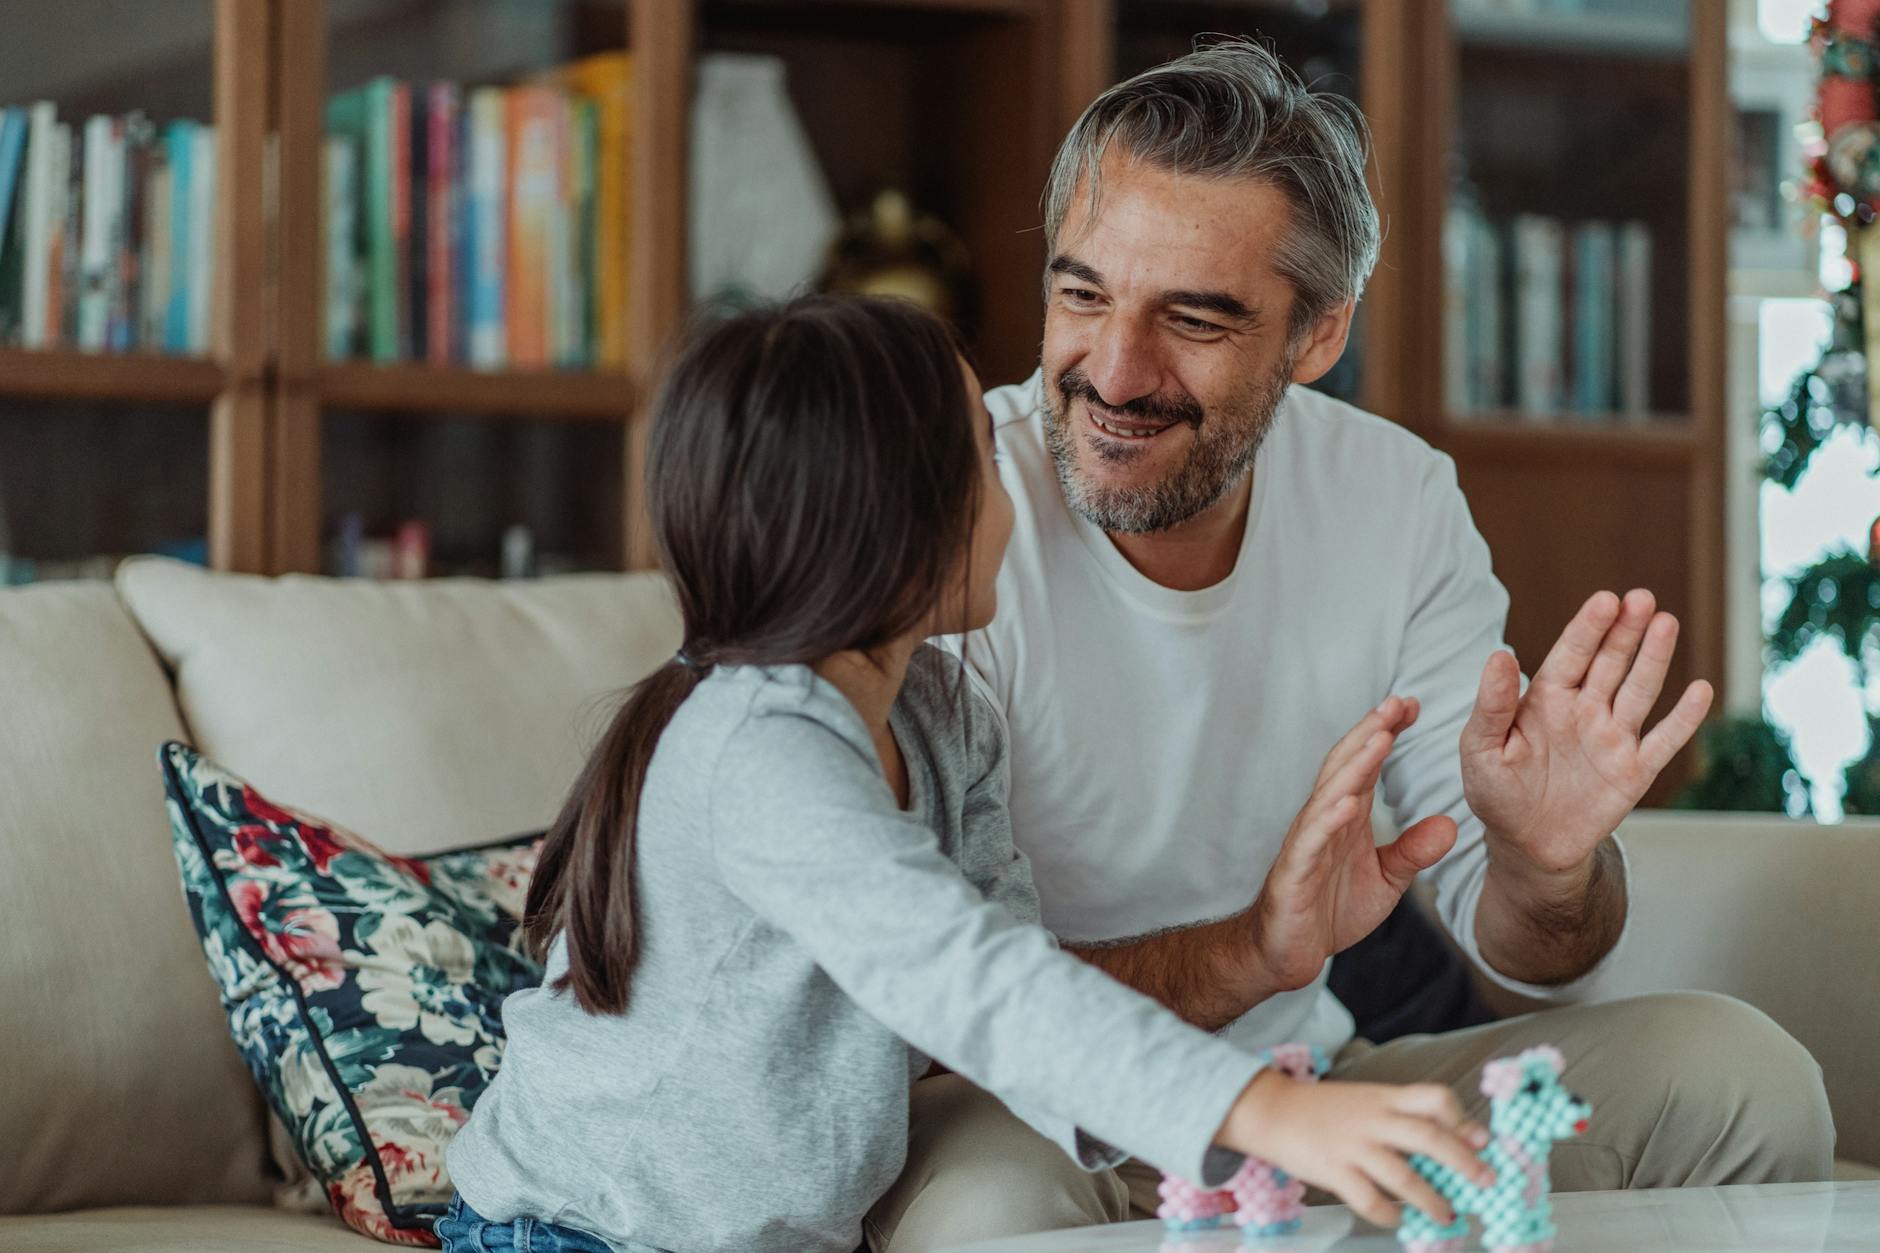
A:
[1163,741]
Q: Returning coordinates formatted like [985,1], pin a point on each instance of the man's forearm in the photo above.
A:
[1539,929]
[1204,973]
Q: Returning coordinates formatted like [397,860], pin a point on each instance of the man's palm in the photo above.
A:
[1332,884]
[1555,770]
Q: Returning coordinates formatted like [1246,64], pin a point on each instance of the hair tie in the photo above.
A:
[686,661]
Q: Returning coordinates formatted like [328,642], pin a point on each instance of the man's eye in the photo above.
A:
[1080,294]
[1195,324]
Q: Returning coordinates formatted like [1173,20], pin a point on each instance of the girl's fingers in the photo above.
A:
[1394,1175]
[1357,1191]
[1439,1144]
[1433,1101]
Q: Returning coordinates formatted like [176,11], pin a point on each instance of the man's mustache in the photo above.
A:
[1075,385]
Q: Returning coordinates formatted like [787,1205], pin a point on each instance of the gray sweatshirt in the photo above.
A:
[808,947]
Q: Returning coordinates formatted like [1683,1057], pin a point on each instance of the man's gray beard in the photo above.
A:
[1214,465]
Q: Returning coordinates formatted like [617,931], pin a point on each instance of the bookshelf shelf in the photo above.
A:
[967,8]
[109,376]
[1657,440]
[1620,36]
[549,395]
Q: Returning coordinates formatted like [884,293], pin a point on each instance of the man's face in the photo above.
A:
[1165,345]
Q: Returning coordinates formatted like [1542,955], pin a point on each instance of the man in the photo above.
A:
[1215,575]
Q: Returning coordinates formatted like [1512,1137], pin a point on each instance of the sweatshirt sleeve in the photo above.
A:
[1454,620]
[807,835]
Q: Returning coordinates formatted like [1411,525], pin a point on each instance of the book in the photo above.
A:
[583,201]
[97,258]
[1539,261]
[40,200]
[607,80]
[443,179]
[13,125]
[1458,233]
[180,141]
[132,242]
[414,183]
[340,167]
[154,299]
[201,278]
[1595,304]
[370,116]
[62,298]
[488,227]
[1634,280]
[1489,323]
[534,195]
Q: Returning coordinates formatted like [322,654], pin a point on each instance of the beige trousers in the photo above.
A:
[1687,1088]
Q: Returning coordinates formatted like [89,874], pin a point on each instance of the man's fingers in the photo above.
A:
[1614,659]
[1416,850]
[1642,686]
[1393,1174]
[1573,652]
[1306,842]
[1676,729]
[1497,699]
[1394,714]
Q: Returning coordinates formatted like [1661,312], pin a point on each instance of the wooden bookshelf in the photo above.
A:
[963,102]
[72,375]
[549,395]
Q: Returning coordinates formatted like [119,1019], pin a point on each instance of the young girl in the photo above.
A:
[785,880]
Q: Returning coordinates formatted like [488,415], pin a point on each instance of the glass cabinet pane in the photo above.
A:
[1565,239]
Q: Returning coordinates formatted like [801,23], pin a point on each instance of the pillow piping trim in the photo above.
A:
[405,1217]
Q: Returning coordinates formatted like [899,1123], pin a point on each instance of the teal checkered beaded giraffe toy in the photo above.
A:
[1528,1111]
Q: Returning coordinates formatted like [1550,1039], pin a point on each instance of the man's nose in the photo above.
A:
[1122,364]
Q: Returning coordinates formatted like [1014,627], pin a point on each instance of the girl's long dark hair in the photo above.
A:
[812,478]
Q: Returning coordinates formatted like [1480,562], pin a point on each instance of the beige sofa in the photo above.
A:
[427,716]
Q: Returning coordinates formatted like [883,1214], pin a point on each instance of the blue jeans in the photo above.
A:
[463,1230]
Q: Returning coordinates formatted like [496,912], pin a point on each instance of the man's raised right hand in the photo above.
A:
[1332,885]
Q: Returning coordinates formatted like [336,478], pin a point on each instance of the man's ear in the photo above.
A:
[1324,344]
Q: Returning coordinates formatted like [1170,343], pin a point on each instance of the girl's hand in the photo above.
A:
[1352,1138]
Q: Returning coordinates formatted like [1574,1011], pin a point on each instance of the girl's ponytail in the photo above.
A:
[584,881]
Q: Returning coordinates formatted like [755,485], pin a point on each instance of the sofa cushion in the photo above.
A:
[432,714]
[119,1085]
[181,1229]
[364,990]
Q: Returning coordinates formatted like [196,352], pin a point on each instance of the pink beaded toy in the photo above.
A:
[1264,1200]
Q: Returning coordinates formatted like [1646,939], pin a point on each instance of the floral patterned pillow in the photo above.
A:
[364,990]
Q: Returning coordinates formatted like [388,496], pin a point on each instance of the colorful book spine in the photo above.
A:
[340,166]
[1458,229]
[41,198]
[13,125]
[440,202]
[62,299]
[606,79]
[202,277]
[414,175]
[155,297]
[1540,245]
[181,142]
[1594,306]
[98,232]
[534,189]
[1488,317]
[1634,332]
[488,329]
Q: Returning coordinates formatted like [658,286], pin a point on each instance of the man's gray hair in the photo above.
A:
[1233,109]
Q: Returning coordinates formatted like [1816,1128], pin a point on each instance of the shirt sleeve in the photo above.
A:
[807,835]
[1454,618]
